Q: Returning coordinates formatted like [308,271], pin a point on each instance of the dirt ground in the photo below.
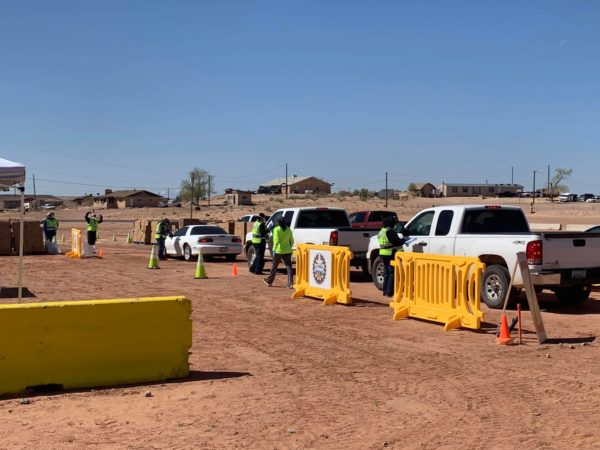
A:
[269,372]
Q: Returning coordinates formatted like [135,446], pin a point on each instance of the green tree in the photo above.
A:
[196,186]
[412,188]
[557,185]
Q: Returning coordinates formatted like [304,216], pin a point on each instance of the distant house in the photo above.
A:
[84,200]
[475,190]
[426,190]
[12,201]
[126,199]
[301,185]
[237,197]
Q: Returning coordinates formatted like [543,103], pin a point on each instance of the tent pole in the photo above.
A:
[21,230]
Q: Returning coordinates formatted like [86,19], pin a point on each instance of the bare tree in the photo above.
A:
[556,185]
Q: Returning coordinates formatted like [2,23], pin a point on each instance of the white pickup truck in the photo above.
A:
[567,263]
[320,226]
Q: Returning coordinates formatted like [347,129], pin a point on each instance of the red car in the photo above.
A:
[370,219]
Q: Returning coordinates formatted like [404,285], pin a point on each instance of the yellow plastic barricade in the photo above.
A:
[75,244]
[437,287]
[93,343]
[323,271]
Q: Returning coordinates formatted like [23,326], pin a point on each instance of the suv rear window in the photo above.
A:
[490,221]
[322,218]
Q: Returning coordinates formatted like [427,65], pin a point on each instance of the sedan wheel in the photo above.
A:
[187,253]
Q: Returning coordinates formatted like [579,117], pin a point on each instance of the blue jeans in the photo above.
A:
[388,275]
[162,252]
[259,260]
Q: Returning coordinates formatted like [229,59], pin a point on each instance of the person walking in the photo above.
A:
[163,229]
[92,226]
[389,244]
[259,241]
[283,242]
[50,225]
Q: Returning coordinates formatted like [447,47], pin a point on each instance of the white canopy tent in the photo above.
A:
[12,174]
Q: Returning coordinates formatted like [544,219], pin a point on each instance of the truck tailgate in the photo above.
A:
[570,250]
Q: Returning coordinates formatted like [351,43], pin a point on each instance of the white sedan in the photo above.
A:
[212,240]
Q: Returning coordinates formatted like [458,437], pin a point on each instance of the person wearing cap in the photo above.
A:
[283,242]
[259,242]
[92,226]
[163,229]
[50,225]
[389,244]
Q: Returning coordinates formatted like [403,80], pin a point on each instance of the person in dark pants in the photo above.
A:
[389,244]
[50,225]
[283,242]
[259,241]
[163,229]
[92,226]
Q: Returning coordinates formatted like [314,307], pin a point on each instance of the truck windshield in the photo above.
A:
[322,218]
[490,221]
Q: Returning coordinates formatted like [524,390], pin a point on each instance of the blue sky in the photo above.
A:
[134,94]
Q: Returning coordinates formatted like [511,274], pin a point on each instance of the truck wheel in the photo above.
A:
[573,295]
[494,285]
[377,273]
[250,255]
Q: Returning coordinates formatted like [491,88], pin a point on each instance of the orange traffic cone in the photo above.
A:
[234,270]
[504,337]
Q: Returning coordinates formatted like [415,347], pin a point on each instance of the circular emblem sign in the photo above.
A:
[319,268]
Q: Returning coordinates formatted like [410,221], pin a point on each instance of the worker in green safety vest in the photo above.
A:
[92,226]
[50,225]
[283,244]
[389,243]
[259,242]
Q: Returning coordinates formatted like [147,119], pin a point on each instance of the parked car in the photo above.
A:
[188,241]
[585,197]
[594,229]
[48,206]
[370,219]
[169,203]
[594,199]
[567,197]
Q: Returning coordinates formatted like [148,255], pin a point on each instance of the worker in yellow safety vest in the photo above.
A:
[389,244]
[50,225]
[259,242]
[92,226]
[163,229]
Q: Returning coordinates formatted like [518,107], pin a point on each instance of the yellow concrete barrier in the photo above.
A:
[323,271]
[93,343]
[439,288]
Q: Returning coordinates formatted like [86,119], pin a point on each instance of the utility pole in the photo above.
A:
[192,199]
[533,199]
[548,185]
[512,175]
[168,194]
[34,194]
[209,188]
[286,181]
[386,189]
